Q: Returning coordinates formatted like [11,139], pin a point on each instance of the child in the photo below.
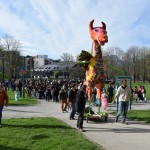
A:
[136,93]
[104,101]
[17,94]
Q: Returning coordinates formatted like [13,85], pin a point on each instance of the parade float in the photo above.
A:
[95,67]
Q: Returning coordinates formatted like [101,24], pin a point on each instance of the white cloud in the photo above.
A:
[55,27]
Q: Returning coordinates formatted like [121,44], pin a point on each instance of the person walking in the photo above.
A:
[3,101]
[136,93]
[124,95]
[17,94]
[72,100]
[55,90]
[140,94]
[144,93]
[63,95]
[104,101]
[80,102]
[48,94]
[110,91]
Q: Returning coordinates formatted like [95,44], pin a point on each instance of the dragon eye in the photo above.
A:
[96,30]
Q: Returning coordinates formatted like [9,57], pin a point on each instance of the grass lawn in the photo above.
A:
[140,115]
[23,101]
[42,134]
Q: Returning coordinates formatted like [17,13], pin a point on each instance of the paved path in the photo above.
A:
[110,135]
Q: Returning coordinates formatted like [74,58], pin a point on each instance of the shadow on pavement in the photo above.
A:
[119,130]
[13,110]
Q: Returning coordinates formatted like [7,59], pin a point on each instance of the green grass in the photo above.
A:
[23,101]
[42,134]
[140,115]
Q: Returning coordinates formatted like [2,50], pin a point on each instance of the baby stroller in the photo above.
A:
[88,109]
[90,114]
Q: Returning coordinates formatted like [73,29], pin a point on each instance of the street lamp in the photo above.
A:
[32,67]
[3,65]
[23,73]
[67,72]
[31,63]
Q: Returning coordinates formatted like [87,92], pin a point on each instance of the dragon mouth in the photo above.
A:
[103,41]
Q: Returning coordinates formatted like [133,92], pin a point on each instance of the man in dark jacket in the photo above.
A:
[110,91]
[81,101]
[72,100]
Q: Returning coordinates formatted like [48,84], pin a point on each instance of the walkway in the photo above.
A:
[110,135]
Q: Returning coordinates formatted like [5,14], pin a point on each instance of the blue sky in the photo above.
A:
[54,27]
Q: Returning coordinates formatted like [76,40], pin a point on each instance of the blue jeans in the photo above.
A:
[73,110]
[123,106]
[80,119]
[1,109]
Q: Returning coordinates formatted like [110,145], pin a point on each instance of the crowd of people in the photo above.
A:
[140,93]
[54,90]
[72,95]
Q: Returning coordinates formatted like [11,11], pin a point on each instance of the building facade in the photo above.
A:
[41,66]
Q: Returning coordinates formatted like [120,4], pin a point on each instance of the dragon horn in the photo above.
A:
[91,25]
[103,25]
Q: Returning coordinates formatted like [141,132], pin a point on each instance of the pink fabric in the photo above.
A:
[104,102]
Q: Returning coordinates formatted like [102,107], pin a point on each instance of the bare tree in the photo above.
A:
[114,63]
[68,60]
[77,72]
[2,61]
[143,61]
[116,51]
[67,57]
[12,47]
[130,60]
[148,65]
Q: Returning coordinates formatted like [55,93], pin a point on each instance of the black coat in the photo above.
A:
[63,95]
[80,101]
[72,96]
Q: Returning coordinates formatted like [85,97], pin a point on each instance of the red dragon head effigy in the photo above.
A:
[94,63]
[98,34]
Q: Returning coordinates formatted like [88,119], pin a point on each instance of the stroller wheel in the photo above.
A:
[106,117]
